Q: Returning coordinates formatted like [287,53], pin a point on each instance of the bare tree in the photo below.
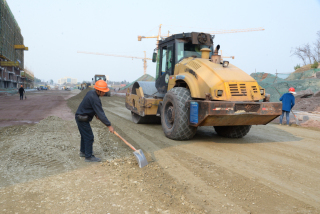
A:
[316,49]
[299,53]
[306,52]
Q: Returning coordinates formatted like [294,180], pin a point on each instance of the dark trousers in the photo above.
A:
[287,116]
[21,96]
[87,138]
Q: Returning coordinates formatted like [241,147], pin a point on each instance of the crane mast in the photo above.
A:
[144,59]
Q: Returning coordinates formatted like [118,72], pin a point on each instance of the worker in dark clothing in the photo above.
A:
[89,107]
[21,91]
[288,102]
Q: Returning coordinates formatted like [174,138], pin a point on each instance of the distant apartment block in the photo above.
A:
[67,80]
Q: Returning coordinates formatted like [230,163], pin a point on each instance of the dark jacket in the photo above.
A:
[21,90]
[287,101]
[91,105]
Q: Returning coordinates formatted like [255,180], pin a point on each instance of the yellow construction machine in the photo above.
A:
[194,87]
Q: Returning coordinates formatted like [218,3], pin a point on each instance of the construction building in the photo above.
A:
[67,80]
[27,79]
[11,51]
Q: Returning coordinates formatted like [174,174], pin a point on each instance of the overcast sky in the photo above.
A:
[55,30]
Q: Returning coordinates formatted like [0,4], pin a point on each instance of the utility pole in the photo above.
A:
[255,74]
[276,76]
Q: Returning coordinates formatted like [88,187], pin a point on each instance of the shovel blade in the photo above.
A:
[142,161]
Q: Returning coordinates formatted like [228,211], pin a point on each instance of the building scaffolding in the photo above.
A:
[11,49]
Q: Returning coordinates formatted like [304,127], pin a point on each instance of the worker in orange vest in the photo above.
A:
[89,107]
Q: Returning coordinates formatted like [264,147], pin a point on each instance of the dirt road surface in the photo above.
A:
[37,106]
[274,169]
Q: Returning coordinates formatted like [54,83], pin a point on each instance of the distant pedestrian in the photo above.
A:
[21,91]
[288,102]
[89,107]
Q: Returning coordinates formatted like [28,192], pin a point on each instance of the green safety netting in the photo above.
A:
[303,75]
[276,86]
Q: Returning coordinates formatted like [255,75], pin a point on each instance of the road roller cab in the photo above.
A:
[195,87]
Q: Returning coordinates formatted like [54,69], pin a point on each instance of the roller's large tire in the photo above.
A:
[232,131]
[174,115]
[150,119]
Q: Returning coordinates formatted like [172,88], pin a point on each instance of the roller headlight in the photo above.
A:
[225,64]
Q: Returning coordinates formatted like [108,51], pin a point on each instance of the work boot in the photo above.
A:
[83,155]
[92,159]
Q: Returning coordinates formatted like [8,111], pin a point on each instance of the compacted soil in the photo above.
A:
[274,169]
[36,106]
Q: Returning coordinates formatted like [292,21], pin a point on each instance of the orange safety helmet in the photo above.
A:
[292,90]
[101,85]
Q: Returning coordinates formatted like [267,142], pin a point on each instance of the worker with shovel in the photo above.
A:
[21,91]
[89,107]
[288,102]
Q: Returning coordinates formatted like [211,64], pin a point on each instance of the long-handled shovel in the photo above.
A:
[142,161]
[297,121]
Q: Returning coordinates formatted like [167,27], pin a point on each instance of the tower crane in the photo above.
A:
[210,32]
[232,57]
[150,37]
[144,59]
